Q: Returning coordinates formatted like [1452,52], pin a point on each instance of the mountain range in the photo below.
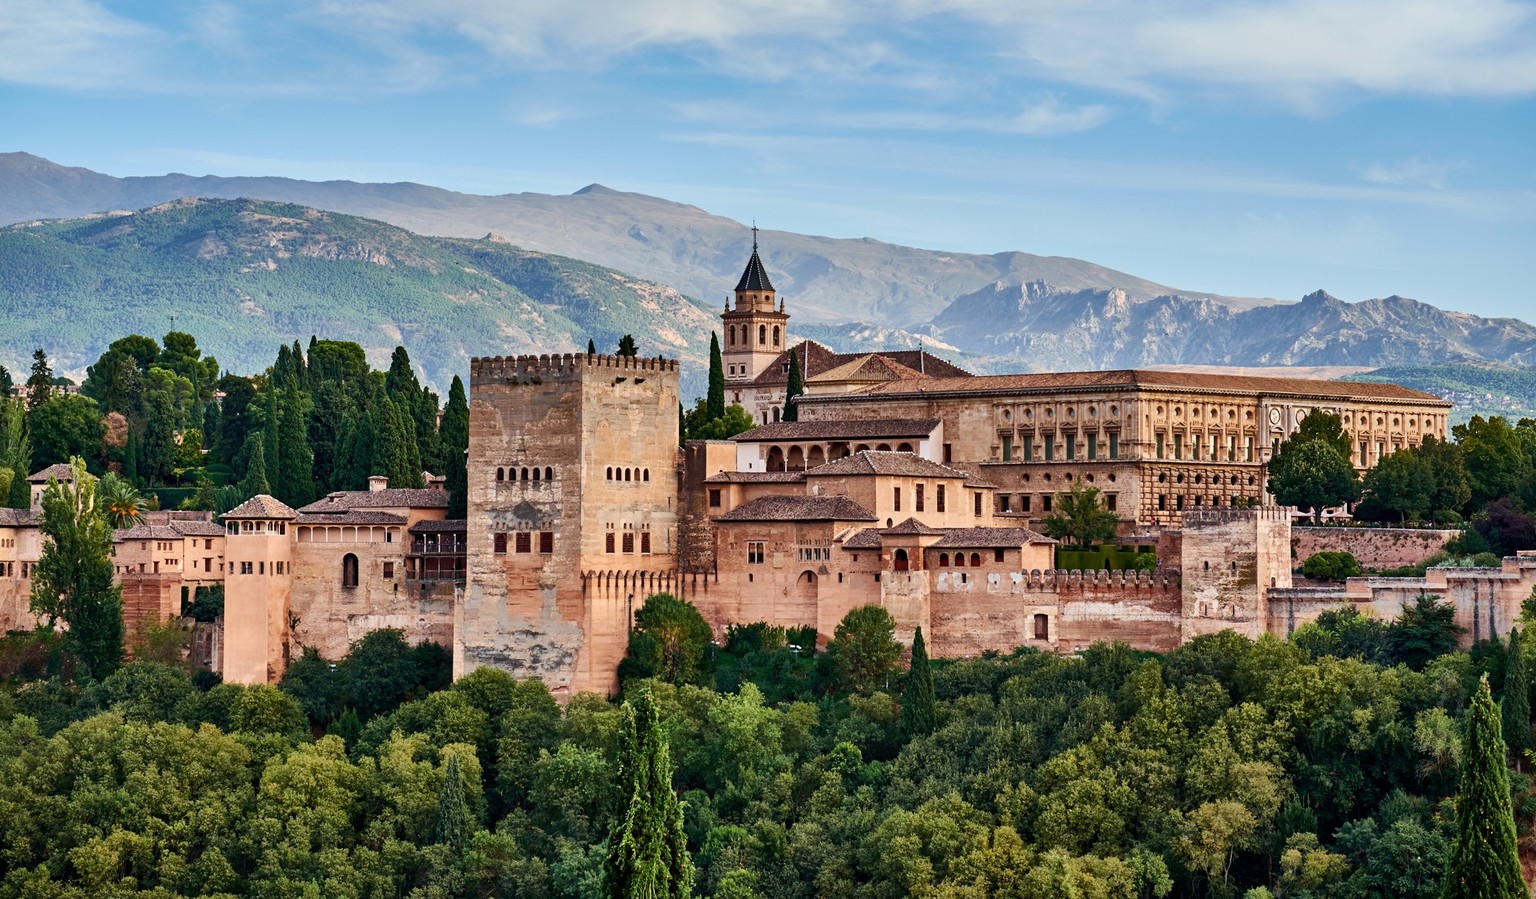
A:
[999,312]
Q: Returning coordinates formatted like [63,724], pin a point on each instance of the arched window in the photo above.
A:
[900,560]
[943,560]
[535,473]
[549,473]
[733,335]
[524,475]
[975,560]
[610,473]
[775,335]
[762,334]
[627,473]
[775,413]
[501,474]
[349,570]
[959,560]
[646,475]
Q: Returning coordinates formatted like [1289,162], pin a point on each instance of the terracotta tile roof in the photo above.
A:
[990,537]
[799,508]
[755,477]
[912,527]
[446,526]
[202,528]
[871,367]
[817,360]
[1132,379]
[388,498]
[908,465]
[18,518]
[350,516]
[174,530]
[840,430]
[261,506]
[867,538]
[56,470]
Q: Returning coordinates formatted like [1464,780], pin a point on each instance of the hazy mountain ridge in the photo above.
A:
[244,276]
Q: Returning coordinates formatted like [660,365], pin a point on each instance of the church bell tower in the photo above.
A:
[754,330]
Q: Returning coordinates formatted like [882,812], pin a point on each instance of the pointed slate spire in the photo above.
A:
[754,278]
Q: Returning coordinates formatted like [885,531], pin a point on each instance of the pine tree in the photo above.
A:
[917,700]
[455,816]
[297,463]
[715,402]
[793,389]
[1516,705]
[255,480]
[73,580]
[1484,863]
[627,346]
[647,850]
[40,384]
[455,433]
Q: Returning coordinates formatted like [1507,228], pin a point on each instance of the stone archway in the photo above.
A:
[815,457]
[796,459]
[899,560]
[775,459]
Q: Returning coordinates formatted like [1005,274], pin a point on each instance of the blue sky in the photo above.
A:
[1255,149]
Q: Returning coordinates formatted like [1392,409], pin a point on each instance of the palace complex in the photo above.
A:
[905,482]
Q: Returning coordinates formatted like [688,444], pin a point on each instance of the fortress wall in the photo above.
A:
[1374,548]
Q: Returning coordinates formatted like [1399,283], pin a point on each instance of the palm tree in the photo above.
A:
[122,501]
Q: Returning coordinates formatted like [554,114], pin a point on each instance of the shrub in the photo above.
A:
[1331,566]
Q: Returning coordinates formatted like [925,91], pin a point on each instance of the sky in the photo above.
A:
[1264,149]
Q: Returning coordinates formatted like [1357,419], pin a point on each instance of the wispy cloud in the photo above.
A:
[1416,171]
[73,44]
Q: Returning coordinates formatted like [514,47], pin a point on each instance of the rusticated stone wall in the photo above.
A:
[1373,548]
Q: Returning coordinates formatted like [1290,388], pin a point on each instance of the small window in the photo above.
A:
[714,497]
[349,570]
[917,498]
[977,497]
[645,543]
[943,560]
[629,542]
[754,552]
[997,554]
[938,497]
[896,498]
[389,570]
[546,542]
[1045,503]
[245,567]
[1042,627]
[524,542]
[501,543]
[608,542]
[975,560]
[549,473]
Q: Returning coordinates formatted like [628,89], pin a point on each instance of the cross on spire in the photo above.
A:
[754,235]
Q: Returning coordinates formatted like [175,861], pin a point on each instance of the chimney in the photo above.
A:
[377,482]
[434,481]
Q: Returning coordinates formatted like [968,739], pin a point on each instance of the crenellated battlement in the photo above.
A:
[483,369]
[1205,517]
[1058,581]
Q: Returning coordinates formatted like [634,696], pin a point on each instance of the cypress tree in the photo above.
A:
[1484,863]
[270,427]
[40,384]
[647,850]
[917,701]
[1516,706]
[131,453]
[297,485]
[455,433]
[255,480]
[793,389]
[394,448]
[591,347]
[455,816]
[715,403]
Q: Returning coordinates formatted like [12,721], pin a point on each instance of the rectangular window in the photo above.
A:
[1050,447]
[1004,501]
[917,498]
[1114,444]
[1215,450]
[645,543]
[947,455]
[1160,445]
[1178,446]
[1071,447]
[629,542]
[997,554]
[1363,453]
[524,542]
[1045,503]
[389,571]
[1024,502]
[896,498]
[245,567]
[608,542]
[1007,448]
[1029,448]
[546,542]
[977,497]
[714,497]
[1248,448]
[1162,502]
[1093,446]
[938,497]
[261,567]
[207,564]
[754,552]
[1109,501]
[1381,449]
[1231,447]
[501,543]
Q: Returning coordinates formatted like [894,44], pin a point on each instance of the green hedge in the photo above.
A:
[1099,557]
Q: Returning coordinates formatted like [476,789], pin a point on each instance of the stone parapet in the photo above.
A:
[485,368]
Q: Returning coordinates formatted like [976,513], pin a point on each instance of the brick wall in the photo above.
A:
[1374,548]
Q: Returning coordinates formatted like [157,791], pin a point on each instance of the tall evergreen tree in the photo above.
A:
[16,451]
[40,384]
[73,580]
[1516,704]
[394,449]
[455,434]
[647,850]
[1484,863]
[715,402]
[7,384]
[132,450]
[591,347]
[255,480]
[271,435]
[918,716]
[793,389]
[455,815]
[297,484]
[627,346]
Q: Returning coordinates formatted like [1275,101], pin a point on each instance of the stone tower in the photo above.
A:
[572,470]
[1229,561]
[258,588]
[754,331]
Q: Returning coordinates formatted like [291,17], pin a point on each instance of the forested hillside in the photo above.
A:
[248,276]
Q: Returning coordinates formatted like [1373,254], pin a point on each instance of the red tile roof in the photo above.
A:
[261,506]
[851,429]
[907,465]
[799,508]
